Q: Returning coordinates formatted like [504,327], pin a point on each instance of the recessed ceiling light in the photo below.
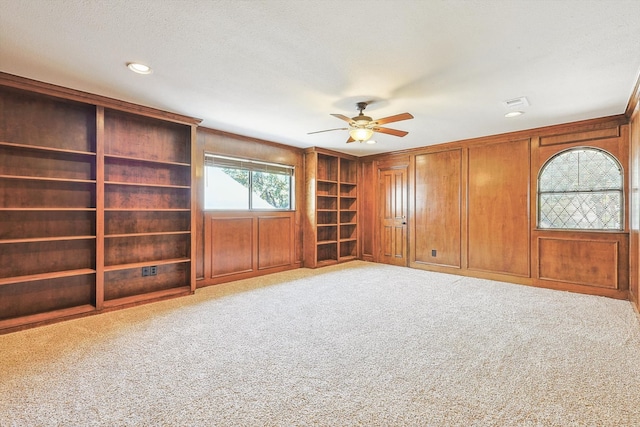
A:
[370,141]
[514,113]
[136,67]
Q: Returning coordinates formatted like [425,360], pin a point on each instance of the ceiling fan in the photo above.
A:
[361,128]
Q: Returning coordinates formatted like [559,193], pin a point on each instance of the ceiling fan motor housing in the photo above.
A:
[361,120]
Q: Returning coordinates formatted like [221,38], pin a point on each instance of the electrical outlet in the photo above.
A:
[145,271]
[433,252]
[153,270]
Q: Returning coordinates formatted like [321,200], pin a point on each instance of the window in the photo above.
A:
[242,184]
[581,188]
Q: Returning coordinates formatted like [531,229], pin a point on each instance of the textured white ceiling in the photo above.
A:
[275,69]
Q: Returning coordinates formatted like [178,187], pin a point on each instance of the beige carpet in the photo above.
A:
[356,344]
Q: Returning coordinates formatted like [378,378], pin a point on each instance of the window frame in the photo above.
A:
[621,191]
[250,165]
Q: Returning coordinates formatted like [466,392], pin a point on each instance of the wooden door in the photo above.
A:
[393,216]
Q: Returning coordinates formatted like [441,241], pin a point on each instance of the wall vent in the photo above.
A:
[516,102]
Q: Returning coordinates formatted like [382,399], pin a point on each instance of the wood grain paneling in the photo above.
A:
[121,222]
[49,194]
[145,138]
[231,245]
[274,242]
[131,197]
[583,262]
[634,201]
[388,248]
[48,256]
[24,299]
[33,119]
[367,203]
[145,248]
[498,208]
[437,204]
[29,224]
[240,245]
[612,132]
[121,170]
[129,282]
[17,161]
[399,242]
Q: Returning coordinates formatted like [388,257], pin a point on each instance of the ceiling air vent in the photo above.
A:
[516,103]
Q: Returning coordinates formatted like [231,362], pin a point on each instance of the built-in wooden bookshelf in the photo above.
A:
[332,208]
[92,191]
[47,207]
[147,207]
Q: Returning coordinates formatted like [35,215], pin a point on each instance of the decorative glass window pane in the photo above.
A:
[581,188]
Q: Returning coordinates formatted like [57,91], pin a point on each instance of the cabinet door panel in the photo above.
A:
[231,248]
[274,242]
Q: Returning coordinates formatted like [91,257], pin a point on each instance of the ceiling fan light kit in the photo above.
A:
[360,134]
[361,128]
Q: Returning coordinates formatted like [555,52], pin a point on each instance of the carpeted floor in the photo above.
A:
[355,344]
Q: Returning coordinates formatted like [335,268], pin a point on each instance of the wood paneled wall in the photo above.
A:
[588,261]
[438,209]
[247,244]
[634,201]
[497,207]
[232,245]
[367,210]
[473,210]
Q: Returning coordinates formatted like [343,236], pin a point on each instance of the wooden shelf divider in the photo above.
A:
[8,324]
[46,239]
[145,263]
[45,276]
[140,159]
[46,149]
[149,296]
[41,178]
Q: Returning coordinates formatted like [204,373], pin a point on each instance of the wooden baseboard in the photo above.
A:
[41,319]
[244,275]
[635,303]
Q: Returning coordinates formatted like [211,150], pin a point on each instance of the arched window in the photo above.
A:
[581,188]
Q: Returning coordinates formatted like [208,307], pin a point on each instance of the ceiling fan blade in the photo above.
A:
[342,117]
[396,118]
[350,140]
[326,130]
[388,131]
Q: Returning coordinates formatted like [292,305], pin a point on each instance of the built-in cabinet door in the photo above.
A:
[393,218]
